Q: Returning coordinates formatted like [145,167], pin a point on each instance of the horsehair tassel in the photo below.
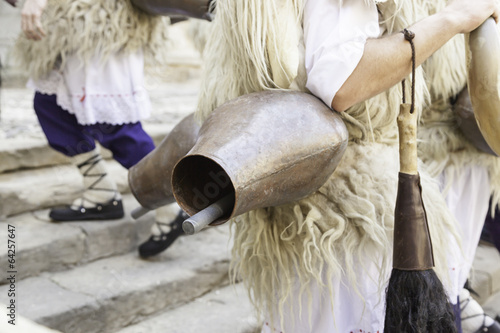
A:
[416,301]
[412,242]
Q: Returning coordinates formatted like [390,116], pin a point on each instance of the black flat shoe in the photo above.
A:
[111,210]
[159,243]
[493,328]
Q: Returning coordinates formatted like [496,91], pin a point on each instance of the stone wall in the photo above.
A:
[10,23]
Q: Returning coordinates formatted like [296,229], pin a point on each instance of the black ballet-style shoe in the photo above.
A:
[110,210]
[493,328]
[159,243]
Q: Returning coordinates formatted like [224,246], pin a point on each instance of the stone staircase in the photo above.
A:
[87,276]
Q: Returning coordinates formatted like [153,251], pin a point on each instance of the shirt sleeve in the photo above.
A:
[335,33]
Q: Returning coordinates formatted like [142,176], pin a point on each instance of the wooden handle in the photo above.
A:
[407,126]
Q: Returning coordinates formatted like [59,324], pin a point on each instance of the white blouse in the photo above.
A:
[109,92]
[335,33]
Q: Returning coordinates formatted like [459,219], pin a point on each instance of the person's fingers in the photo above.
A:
[35,35]
[23,24]
[496,13]
[32,26]
[39,29]
[28,31]
[31,19]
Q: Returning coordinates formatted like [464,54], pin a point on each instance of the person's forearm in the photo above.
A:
[387,60]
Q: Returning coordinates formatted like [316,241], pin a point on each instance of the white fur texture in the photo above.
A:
[89,27]
[328,231]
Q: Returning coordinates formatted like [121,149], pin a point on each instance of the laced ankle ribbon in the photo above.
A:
[92,161]
[462,309]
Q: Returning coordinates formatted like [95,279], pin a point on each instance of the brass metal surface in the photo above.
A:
[266,149]
[467,123]
[188,8]
[483,81]
[150,179]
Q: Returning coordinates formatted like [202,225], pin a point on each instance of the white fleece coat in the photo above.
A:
[336,233]
[87,28]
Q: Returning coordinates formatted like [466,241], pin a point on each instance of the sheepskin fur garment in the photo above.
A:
[89,27]
[257,45]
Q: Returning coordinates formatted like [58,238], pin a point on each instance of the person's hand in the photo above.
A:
[470,14]
[31,15]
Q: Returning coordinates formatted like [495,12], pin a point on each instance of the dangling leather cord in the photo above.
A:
[409,35]
[412,242]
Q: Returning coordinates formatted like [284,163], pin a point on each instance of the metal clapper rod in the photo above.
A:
[138,212]
[208,215]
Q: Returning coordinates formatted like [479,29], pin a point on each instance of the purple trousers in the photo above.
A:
[458,315]
[492,227]
[129,143]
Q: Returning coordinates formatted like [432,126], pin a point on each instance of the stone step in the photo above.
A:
[111,293]
[21,324]
[23,153]
[485,279]
[224,310]
[492,305]
[29,190]
[28,153]
[43,246]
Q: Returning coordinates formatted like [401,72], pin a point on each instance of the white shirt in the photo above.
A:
[335,35]
[110,91]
